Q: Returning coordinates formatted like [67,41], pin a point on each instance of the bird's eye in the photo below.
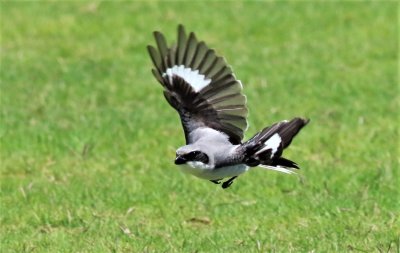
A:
[192,155]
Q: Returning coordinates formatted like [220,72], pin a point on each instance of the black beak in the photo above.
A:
[180,160]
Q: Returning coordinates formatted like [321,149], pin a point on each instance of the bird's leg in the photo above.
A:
[228,182]
[217,181]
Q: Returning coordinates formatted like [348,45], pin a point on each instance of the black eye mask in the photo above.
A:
[197,156]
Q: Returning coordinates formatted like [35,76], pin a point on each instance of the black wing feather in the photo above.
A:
[219,105]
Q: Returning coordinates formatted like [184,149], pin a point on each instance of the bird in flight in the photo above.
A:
[202,88]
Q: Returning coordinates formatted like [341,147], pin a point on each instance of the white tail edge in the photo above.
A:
[279,169]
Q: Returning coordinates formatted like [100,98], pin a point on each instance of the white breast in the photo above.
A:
[205,171]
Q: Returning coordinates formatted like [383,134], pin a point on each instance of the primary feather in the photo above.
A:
[200,86]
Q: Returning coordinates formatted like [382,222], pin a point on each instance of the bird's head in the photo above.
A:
[186,154]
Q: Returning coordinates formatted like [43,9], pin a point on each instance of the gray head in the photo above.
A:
[190,153]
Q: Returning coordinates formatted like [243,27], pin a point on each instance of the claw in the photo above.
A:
[228,183]
[218,181]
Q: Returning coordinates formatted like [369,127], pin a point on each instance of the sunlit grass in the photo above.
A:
[88,141]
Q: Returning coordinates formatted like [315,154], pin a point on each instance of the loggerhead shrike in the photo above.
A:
[201,86]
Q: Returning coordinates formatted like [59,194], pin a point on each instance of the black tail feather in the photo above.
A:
[283,162]
[290,130]
[266,147]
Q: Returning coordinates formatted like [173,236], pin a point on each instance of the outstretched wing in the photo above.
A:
[200,86]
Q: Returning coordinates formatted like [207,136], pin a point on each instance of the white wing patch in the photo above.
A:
[272,143]
[192,77]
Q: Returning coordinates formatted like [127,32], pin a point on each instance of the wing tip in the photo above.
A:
[181,28]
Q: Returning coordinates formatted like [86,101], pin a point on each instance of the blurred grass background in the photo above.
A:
[88,142]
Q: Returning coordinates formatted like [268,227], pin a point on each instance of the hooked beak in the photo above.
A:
[180,160]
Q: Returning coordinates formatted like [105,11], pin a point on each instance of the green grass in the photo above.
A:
[88,141]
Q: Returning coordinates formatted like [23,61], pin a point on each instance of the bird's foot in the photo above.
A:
[218,181]
[228,183]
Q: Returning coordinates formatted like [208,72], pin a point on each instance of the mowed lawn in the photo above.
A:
[88,141]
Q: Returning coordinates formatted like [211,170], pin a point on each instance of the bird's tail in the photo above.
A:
[266,147]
